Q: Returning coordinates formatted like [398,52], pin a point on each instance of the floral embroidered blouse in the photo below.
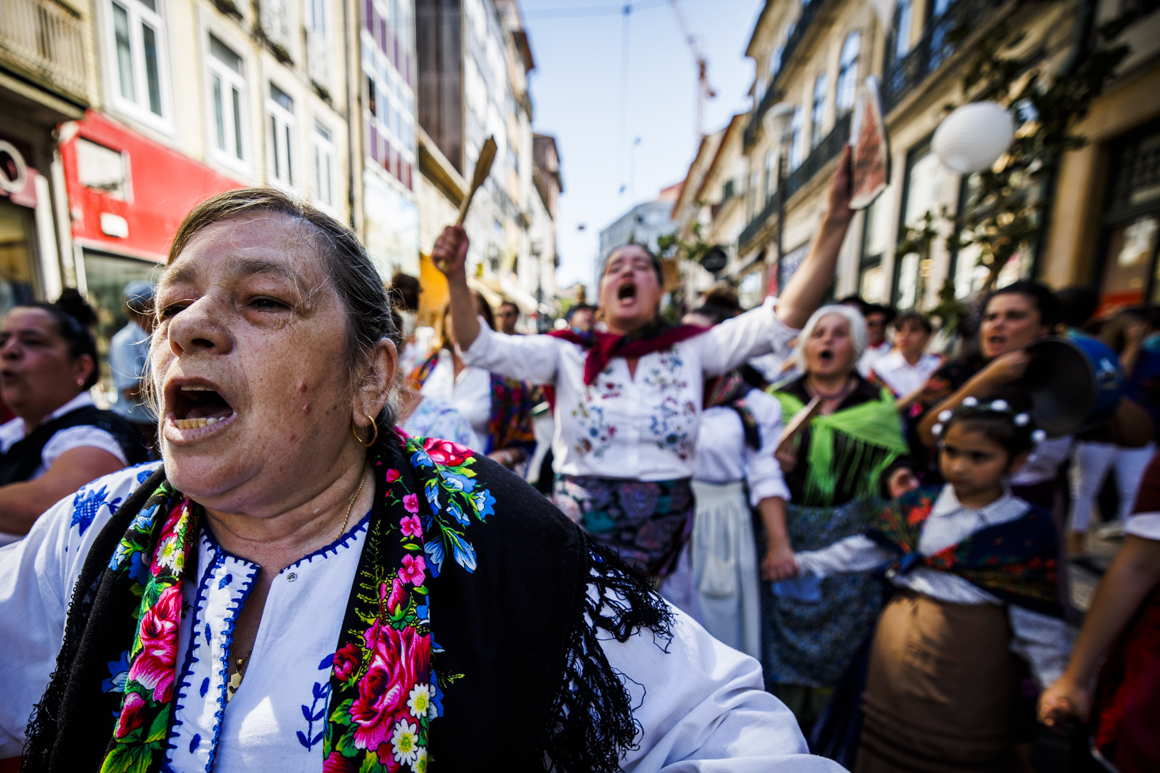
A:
[698,704]
[621,426]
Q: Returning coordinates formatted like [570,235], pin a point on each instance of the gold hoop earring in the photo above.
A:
[374,428]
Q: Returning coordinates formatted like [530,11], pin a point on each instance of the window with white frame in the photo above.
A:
[848,72]
[818,111]
[280,137]
[227,90]
[323,165]
[903,16]
[317,50]
[775,62]
[797,141]
[137,47]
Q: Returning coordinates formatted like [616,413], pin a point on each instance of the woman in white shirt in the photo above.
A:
[628,401]
[735,470]
[59,440]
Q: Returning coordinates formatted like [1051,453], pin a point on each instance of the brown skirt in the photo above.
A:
[942,689]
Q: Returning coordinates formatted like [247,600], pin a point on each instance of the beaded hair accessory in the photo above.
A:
[1001,407]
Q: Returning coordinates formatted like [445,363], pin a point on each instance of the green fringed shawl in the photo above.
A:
[873,425]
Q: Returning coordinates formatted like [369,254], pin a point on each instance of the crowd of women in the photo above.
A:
[762,526]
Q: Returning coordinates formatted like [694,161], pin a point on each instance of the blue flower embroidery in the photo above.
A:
[144,475]
[313,713]
[458,482]
[484,503]
[118,672]
[87,503]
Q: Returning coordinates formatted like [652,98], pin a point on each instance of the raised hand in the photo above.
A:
[450,251]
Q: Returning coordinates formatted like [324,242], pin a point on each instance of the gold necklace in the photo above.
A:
[362,480]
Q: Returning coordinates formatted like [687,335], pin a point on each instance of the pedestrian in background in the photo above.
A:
[835,469]
[404,291]
[735,470]
[59,440]
[509,317]
[581,318]
[906,368]
[878,344]
[129,361]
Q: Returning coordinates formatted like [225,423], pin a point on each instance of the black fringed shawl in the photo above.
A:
[521,629]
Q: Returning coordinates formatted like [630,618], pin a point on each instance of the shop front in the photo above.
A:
[127,196]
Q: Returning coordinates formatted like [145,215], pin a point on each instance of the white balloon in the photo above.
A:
[973,137]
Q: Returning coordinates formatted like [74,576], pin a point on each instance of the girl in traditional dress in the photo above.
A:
[835,470]
[628,400]
[975,571]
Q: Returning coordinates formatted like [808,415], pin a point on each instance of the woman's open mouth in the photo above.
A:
[195,406]
[826,356]
[626,291]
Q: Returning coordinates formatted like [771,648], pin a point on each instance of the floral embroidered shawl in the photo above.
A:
[1016,561]
[434,539]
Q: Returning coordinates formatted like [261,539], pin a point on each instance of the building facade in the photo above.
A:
[473,65]
[47,77]
[811,58]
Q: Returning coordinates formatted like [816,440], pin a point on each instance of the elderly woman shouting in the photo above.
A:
[269,598]
[628,400]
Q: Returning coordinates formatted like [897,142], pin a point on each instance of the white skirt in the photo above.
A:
[725,565]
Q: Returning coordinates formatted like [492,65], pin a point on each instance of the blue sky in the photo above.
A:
[576,96]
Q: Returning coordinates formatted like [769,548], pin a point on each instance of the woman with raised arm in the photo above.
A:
[299,588]
[628,400]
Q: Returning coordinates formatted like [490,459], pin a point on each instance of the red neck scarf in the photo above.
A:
[602,347]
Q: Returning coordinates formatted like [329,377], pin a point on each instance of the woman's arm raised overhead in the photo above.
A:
[450,255]
[806,289]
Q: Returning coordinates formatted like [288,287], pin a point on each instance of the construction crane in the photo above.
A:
[704,90]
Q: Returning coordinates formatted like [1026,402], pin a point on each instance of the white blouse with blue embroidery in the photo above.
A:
[699,702]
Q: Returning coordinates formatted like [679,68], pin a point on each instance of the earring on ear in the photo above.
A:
[80,383]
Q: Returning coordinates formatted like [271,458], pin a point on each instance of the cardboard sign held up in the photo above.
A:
[871,156]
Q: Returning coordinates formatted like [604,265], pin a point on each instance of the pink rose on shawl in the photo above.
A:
[336,763]
[392,475]
[399,661]
[154,666]
[411,525]
[413,570]
[396,597]
[446,452]
[131,716]
[411,503]
[346,662]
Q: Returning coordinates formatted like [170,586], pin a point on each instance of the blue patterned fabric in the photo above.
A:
[810,643]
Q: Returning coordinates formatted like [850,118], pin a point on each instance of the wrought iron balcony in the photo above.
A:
[757,223]
[44,41]
[827,150]
[942,36]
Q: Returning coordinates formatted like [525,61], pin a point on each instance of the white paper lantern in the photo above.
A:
[973,137]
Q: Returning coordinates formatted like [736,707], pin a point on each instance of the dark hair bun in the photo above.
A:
[71,302]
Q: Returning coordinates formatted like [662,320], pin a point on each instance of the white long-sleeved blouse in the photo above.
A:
[700,704]
[641,427]
[1042,640]
[723,456]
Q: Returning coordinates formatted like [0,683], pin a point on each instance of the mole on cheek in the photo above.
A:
[302,387]
[306,407]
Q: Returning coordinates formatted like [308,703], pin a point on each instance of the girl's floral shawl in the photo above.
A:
[510,423]
[428,527]
[1016,561]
